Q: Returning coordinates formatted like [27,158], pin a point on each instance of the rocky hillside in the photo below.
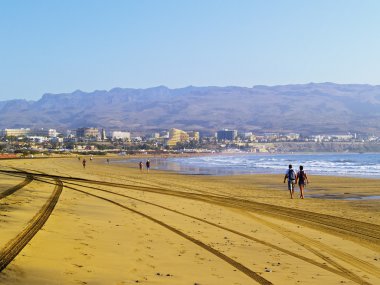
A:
[317,108]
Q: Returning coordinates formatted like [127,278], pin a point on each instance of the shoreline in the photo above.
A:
[310,193]
[334,194]
[253,166]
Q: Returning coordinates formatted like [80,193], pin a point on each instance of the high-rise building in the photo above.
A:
[103,136]
[116,135]
[16,132]
[229,135]
[193,135]
[176,136]
[87,133]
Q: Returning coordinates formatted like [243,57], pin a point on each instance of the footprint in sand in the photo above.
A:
[78,265]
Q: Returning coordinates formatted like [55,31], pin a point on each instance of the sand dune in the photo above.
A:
[112,224]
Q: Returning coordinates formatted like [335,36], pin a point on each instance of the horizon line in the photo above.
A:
[190,86]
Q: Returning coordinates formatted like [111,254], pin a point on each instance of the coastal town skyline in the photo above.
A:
[101,141]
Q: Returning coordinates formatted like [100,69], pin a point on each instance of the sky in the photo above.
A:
[56,46]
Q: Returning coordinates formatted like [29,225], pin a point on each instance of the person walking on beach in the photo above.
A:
[141,166]
[147,165]
[301,180]
[291,176]
[84,163]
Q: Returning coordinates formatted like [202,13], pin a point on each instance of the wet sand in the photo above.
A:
[117,225]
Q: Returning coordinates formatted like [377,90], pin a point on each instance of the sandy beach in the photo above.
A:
[112,224]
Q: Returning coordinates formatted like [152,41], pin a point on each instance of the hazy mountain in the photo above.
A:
[323,107]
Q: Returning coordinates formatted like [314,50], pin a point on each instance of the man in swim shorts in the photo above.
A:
[291,176]
[147,164]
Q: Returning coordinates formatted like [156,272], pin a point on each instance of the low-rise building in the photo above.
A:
[271,136]
[292,136]
[51,133]
[164,134]
[38,139]
[248,136]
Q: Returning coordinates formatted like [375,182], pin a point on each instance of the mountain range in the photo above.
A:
[304,108]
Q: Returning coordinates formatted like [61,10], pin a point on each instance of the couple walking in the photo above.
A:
[147,164]
[294,178]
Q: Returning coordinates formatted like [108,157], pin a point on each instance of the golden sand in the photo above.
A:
[123,226]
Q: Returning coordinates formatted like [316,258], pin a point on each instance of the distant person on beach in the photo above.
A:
[79,158]
[141,166]
[301,180]
[147,165]
[291,176]
[108,160]
[84,163]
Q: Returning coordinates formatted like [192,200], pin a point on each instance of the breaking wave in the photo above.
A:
[361,165]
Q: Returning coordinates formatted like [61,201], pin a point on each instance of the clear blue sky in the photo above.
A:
[57,46]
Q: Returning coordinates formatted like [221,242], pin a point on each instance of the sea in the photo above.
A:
[332,164]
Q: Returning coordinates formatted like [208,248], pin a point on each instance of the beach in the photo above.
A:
[112,224]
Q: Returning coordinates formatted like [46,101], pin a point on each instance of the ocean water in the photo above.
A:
[347,164]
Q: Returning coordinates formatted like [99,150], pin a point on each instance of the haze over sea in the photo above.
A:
[332,164]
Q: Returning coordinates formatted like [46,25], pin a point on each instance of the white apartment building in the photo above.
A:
[16,132]
[116,135]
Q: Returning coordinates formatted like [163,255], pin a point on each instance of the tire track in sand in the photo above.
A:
[318,248]
[361,232]
[302,240]
[346,273]
[364,233]
[17,187]
[253,275]
[14,247]
[265,209]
